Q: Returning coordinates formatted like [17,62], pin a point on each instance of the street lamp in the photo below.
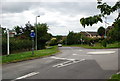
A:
[36,30]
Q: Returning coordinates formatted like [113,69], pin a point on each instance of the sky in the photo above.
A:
[61,16]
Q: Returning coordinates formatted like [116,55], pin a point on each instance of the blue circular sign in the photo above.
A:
[32,34]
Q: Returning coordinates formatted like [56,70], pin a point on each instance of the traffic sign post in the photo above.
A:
[32,34]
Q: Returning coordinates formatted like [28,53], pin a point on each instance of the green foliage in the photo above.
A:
[101,31]
[78,38]
[42,35]
[105,10]
[74,38]
[104,43]
[27,30]
[71,38]
[53,42]
[59,39]
[18,30]
[16,45]
[90,20]
[114,33]
[115,77]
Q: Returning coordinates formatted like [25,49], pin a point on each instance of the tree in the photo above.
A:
[101,31]
[105,10]
[42,35]
[73,38]
[18,30]
[27,30]
[114,33]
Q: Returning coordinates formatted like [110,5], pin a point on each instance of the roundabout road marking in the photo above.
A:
[101,52]
[61,58]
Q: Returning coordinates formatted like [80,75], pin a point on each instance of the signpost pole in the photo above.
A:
[32,35]
[32,46]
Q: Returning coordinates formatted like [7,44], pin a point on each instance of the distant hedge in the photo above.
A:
[16,45]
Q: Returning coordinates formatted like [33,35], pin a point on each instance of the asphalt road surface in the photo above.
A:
[70,63]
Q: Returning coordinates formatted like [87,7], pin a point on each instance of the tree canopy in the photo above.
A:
[105,10]
[101,31]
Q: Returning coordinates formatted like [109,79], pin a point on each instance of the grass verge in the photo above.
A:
[98,46]
[28,55]
[115,77]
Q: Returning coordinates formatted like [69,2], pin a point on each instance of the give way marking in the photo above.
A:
[25,76]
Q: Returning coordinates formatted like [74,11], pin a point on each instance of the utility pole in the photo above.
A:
[8,48]
[36,30]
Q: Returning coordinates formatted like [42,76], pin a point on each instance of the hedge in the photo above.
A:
[16,45]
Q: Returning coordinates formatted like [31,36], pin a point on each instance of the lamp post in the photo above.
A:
[36,31]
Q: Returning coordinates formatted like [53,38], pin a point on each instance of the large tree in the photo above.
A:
[101,31]
[18,30]
[42,35]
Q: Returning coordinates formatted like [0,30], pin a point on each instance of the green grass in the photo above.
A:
[115,77]
[98,46]
[28,55]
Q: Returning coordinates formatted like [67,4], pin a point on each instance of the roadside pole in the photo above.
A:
[32,46]
[8,48]
[32,34]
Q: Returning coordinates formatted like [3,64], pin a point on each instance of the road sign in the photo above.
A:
[32,34]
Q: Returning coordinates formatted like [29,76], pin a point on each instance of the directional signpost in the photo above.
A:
[32,34]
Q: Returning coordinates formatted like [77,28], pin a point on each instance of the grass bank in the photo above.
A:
[98,46]
[115,77]
[28,55]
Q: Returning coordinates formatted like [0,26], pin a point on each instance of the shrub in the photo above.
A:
[104,43]
[53,42]
[16,45]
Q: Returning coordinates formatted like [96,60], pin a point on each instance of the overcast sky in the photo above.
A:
[61,16]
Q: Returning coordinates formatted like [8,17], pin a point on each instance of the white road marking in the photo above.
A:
[81,55]
[101,52]
[67,63]
[61,58]
[85,55]
[25,76]
[118,72]
[74,54]
[80,50]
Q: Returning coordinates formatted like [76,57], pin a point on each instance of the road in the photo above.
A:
[70,63]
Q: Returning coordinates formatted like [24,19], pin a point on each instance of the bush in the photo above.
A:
[53,42]
[104,43]
[16,45]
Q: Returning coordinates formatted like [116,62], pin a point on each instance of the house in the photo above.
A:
[109,28]
[90,34]
[12,33]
